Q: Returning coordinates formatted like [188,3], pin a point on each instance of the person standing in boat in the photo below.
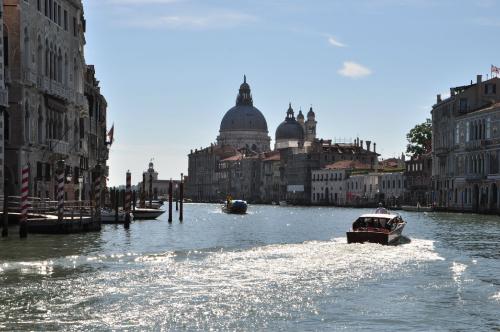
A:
[381,209]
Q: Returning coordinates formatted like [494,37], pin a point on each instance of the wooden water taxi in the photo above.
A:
[382,228]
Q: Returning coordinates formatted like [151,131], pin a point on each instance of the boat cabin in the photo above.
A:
[377,221]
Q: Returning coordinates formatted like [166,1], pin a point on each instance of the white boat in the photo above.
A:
[146,213]
[382,228]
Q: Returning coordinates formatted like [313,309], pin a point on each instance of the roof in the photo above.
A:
[275,156]
[348,164]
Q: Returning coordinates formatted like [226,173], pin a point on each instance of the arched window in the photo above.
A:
[39,57]
[27,128]
[40,126]
[66,69]
[59,66]
[26,58]
[47,58]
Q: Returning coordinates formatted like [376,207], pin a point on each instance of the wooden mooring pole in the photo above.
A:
[170,201]
[181,197]
[5,221]
[127,200]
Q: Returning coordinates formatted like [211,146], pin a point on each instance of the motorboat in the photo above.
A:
[147,213]
[383,228]
[235,206]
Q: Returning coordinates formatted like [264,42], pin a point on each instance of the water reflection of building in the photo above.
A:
[242,164]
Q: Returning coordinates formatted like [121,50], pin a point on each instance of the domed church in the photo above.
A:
[244,126]
[293,133]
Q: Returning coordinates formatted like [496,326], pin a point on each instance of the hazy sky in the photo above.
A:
[170,69]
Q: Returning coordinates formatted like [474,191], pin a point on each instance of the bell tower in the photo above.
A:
[310,125]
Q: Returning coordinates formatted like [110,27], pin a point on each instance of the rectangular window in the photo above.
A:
[46,8]
[59,15]
[457,134]
[467,132]
[74,26]
[65,20]
[463,106]
[39,5]
[488,128]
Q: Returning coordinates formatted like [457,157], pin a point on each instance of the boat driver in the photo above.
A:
[381,209]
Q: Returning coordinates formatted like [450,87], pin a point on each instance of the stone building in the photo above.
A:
[466,147]
[49,118]
[418,177]
[156,188]
[4,100]
[242,164]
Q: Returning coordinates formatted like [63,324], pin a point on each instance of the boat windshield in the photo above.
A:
[372,222]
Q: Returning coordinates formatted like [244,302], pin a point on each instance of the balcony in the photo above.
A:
[4,97]
[475,145]
[59,147]
[474,177]
[442,150]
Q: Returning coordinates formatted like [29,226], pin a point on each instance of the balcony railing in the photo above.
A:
[58,146]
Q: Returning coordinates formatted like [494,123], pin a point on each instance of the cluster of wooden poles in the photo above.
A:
[116,196]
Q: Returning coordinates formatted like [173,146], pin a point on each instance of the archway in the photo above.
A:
[493,197]
[475,198]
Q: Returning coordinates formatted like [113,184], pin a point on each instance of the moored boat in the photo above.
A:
[146,213]
[382,228]
[235,206]
[417,208]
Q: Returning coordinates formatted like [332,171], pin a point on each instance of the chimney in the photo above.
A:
[374,147]
[438,98]
[479,78]
[368,144]
[452,92]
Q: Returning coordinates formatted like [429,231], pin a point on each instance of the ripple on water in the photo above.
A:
[230,289]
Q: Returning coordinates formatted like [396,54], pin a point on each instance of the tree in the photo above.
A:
[419,139]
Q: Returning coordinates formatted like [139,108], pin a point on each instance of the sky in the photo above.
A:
[170,69]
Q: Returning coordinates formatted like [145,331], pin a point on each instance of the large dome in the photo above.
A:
[290,129]
[244,116]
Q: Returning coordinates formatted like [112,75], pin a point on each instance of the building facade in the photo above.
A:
[4,100]
[466,148]
[49,114]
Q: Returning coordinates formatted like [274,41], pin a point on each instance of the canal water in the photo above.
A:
[276,268]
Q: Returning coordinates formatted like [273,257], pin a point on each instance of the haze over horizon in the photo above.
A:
[370,69]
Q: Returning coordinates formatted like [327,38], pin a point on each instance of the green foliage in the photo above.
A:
[419,139]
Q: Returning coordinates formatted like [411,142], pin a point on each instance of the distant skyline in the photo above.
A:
[170,69]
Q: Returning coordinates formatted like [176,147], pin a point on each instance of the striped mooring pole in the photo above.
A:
[97,192]
[60,190]
[23,227]
[128,194]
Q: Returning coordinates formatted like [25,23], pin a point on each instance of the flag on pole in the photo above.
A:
[495,69]
[110,134]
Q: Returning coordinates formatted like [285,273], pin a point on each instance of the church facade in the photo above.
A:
[242,164]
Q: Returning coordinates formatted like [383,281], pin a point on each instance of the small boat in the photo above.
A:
[146,213]
[382,228]
[235,206]
[108,216]
[417,208]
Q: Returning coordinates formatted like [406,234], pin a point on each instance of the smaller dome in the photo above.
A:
[290,129]
[311,114]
